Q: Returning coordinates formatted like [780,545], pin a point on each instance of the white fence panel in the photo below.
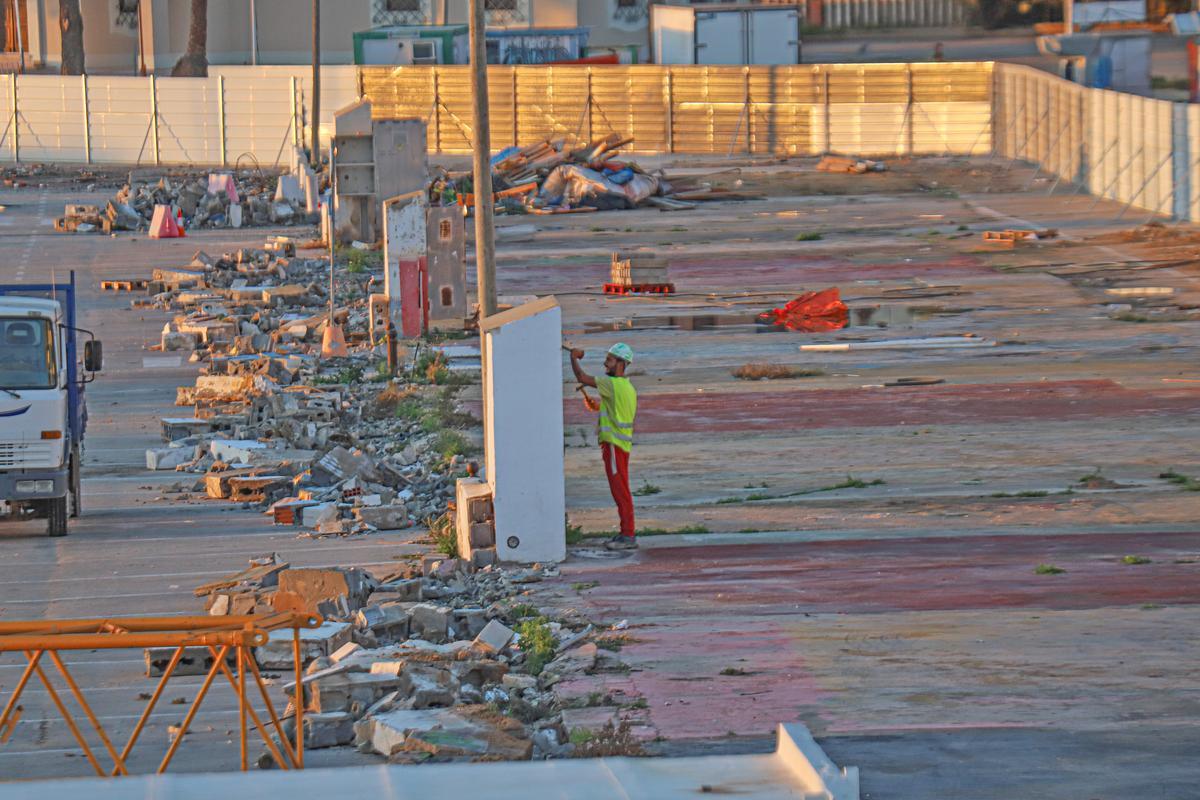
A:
[8,139]
[120,123]
[954,128]
[50,119]
[258,119]
[339,88]
[894,13]
[1193,161]
[189,120]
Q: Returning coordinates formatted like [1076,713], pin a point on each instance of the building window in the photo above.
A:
[399,12]
[127,13]
[444,230]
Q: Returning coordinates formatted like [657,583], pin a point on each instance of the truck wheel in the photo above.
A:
[57,516]
[76,483]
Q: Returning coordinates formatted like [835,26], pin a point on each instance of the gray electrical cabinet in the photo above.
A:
[725,34]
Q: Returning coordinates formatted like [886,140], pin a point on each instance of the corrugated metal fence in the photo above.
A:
[878,109]
[1139,151]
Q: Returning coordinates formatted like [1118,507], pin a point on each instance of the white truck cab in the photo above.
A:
[42,413]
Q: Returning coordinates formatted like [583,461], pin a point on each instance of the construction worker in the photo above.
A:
[618,406]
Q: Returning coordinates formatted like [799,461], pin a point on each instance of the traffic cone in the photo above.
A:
[333,343]
[179,222]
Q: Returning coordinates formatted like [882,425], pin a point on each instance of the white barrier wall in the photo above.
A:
[894,13]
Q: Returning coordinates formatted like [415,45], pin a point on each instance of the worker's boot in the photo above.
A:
[620,542]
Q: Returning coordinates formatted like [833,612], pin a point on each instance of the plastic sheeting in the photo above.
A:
[571,185]
[811,312]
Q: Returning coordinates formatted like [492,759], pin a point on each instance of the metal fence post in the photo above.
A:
[297,133]
[908,112]
[221,117]
[669,103]
[87,125]
[154,118]
[826,145]
[16,123]
[516,107]
[437,111]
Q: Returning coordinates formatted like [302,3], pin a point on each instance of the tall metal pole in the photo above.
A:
[315,119]
[1068,17]
[485,245]
[253,34]
[20,41]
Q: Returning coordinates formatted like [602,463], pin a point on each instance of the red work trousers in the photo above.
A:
[616,469]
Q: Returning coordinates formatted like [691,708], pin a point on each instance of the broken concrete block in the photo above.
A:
[387,620]
[385,518]
[351,691]
[429,687]
[169,457]
[314,643]
[387,733]
[344,652]
[314,585]
[576,660]
[517,682]
[313,516]
[328,729]
[194,661]
[495,636]
[235,451]
[429,622]
[469,621]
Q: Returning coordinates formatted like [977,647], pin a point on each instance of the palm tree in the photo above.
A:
[70,24]
[194,62]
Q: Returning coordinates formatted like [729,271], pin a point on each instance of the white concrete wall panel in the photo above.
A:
[895,13]
[189,121]
[120,120]
[524,427]
[50,120]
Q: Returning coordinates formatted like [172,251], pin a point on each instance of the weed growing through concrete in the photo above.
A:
[583,586]
[523,610]
[574,533]
[453,443]
[762,485]
[348,375]
[1134,560]
[809,236]
[445,537]
[537,643]
[734,671]
[1184,482]
[1048,569]
[607,742]
[760,372]
[1027,493]
[851,482]
[647,489]
[665,532]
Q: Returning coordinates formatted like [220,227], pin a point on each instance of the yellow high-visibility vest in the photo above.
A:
[618,407]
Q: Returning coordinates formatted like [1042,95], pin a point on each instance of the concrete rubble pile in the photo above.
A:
[317,441]
[217,200]
[421,662]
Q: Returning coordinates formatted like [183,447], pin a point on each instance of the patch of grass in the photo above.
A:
[809,236]
[1048,569]
[608,742]
[1188,484]
[1096,475]
[523,610]
[614,642]
[360,261]
[445,537]
[580,736]
[453,443]
[574,533]
[1130,316]
[665,532]
[759,372]
[1134,560]
[962,228]
[537,643]
[733,671]
[762,485]
[647,489]
[852,482]
[346,375]
[757,496]
[583,586]
[639,703]
[728,501]
[1151,607]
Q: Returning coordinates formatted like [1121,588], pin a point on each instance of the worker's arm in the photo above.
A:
[580,375]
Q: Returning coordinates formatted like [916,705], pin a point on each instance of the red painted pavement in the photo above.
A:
[697,610]
[925,405]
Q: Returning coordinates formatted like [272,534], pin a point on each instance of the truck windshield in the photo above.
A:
[27,354]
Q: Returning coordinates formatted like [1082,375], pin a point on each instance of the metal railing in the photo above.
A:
[221,636]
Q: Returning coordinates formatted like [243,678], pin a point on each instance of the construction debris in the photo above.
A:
[549,178]
[856,166]
[432,660]
[218,200]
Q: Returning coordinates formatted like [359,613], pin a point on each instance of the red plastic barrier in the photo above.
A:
[811,312]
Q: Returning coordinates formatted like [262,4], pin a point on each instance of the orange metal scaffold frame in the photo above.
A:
[36,638]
